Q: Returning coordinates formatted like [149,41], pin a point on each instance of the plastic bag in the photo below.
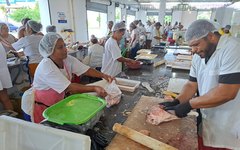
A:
[28,102]
[114,94]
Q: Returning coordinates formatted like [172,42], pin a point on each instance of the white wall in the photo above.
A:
[224,16]
[213,15]
[162,11]
[141,15]
[80,20]
[219,15]
[45,16]
[74,12]
[176,16]
[111,12]
[227,16]
[62,7]
[185,17]
[188,17]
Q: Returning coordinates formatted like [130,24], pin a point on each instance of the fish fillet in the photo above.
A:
[157,115]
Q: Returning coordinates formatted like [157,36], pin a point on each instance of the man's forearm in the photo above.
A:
[215,97]
[188,91]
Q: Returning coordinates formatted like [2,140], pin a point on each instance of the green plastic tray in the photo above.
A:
[76,109]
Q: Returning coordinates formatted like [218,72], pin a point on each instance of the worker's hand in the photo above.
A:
[100,91]
[108,78]
[170,104]
[181,110]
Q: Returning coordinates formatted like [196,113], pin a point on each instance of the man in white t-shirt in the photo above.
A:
[215,74]
[156,34]
[112,58]
[149,30]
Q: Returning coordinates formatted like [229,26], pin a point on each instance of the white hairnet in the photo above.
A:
[1,25]
[47,44]
[51,28]
[34,25]
[119,26]
[199,29]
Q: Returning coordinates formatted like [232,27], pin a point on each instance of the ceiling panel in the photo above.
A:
[154,4]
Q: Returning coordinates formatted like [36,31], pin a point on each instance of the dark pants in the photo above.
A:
[134,50]
[148,44]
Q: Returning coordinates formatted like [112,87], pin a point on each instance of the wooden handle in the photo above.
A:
[141,138]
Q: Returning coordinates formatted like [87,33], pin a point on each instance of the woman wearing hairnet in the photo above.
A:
[51,28]
[30,42]
[21,29]
[53,75]
[5,38]
[112,59]
[215,73]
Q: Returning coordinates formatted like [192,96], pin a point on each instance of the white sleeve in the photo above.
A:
[193,69]
[77,67]
[115,51]
[153,33]
[19,44]
[90,50]
[230,62]
[54,78]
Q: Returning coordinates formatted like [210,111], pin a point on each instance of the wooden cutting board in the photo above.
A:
[181,133]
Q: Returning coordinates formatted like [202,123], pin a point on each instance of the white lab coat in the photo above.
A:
[221,124]
[5,78]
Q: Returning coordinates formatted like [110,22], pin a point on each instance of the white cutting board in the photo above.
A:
[184,57]
[182,64]
[176,84]
[123,84]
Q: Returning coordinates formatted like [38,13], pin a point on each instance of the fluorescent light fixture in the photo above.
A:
[105,2]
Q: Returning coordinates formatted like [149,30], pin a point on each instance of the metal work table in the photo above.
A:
[157,77]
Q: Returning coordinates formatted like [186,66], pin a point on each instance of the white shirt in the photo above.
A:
[155,33]
[10,39]
[135,33]
[5,78]
[112,52]
[48,75]
[95,53]
[30,46]
[149,30]
[142,30]
[221,124]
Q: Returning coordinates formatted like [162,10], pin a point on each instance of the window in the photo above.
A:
[130,19]
[152,18]
[97,23]
[118,14]
[204,15]
[168,18]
